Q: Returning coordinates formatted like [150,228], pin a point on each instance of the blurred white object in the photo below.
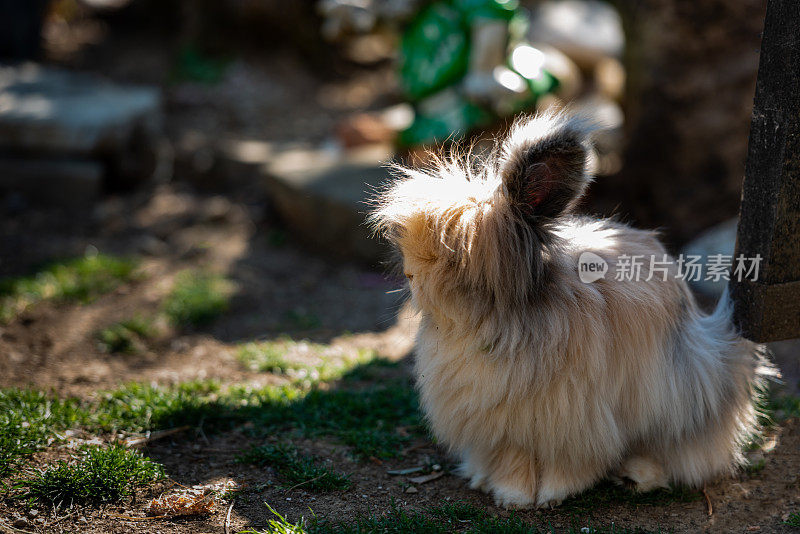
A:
[398,117]
[106,4]
[585,30]
[528,61]
[720,239]
[345,16]
[553,61]
[342,17]
[509,79]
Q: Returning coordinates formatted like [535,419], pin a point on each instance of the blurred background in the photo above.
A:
[264,97]
[242,137]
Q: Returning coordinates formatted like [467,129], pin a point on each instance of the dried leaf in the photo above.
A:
[178,504]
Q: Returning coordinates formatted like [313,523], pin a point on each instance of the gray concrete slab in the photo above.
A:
[44,109]
[322,196]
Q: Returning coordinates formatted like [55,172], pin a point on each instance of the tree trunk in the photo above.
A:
[691,76]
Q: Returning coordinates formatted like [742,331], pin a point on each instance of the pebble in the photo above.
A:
[412,489]
[20,522]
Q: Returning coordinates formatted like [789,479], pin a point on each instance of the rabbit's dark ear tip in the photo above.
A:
[544,164]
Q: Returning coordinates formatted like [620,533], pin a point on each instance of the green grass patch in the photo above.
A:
[128,336]
[294,469]
[279,525]
[197,298]
[270,356]
[142,407]
[374,421]
[302,359]
[31,420]
[76,280]
[100,475]
[28,421]
[793,520]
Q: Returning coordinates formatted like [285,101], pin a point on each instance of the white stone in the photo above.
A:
[585,30]
[43,109]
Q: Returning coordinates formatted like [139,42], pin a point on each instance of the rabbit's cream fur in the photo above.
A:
[543,384]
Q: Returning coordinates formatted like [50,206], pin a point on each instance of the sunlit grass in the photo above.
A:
[99,475]
[279,525]
[28,421]
[196,298]
[76,280]
[128,336]
[302,359]
[373,421]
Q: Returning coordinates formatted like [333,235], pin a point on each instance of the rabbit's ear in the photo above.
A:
[543,165]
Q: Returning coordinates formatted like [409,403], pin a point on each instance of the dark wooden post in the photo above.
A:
[768,309]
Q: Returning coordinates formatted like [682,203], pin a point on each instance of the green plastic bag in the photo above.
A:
[435,50]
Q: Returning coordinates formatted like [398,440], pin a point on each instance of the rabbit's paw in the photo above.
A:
[479,482]
[550,496]
[513,499]
[642,474]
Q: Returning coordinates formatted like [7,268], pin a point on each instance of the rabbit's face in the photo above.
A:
[434,274]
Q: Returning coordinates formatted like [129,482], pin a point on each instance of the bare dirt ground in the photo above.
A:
[53,348]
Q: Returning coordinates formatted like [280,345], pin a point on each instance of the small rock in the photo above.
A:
[20,522]
[33,512]
[412,489]
[57,111]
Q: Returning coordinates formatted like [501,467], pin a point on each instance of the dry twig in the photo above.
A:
[306,482]
[152,436]
[228,520]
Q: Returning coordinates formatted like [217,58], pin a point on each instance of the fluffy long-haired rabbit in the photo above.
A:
[541,383]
